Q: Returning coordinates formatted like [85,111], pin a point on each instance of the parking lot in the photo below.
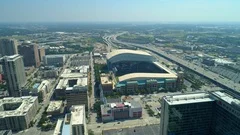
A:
[144,130]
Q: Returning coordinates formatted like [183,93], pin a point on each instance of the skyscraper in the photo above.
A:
[213,113]
[8,47]
[14,73]
[30,54]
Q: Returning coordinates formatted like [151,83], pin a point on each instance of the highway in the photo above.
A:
[222,82]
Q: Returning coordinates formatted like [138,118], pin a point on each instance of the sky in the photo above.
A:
[119,11]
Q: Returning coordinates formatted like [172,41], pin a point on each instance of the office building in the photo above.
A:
[41,52]
[205,113]
[118,111]
[30,54]
[17,113]
[14,74]
[74,123]
[77,92]
[208,61]
[54,60]
[8,47]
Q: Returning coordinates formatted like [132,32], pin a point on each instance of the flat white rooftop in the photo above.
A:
[125,51]
[77,115]
[227,98]
[188,98]
[75,72]
[57,130]
[54,106]
[25,104]
[63,83]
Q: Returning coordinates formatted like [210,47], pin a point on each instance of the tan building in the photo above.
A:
[41,52]
[107,85]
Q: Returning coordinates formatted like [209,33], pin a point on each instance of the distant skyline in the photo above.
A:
[119,11]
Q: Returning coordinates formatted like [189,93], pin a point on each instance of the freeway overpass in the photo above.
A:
[222,82]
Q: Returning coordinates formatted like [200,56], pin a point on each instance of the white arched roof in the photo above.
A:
[128,55]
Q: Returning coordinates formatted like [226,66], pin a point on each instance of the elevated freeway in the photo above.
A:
[215,78]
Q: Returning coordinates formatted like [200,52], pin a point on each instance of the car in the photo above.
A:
[118,123]
[98,126]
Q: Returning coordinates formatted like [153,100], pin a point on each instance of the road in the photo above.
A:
[93,95]
[46,102]
[222,82]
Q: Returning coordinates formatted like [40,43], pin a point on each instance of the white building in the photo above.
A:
[55,108]
[17,113]
[74,123]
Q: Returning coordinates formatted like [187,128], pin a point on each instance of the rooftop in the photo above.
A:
[54,56]
[188,98]
[227,98]
[126,51]
[54,106]
[75,72]
[64,83]
[129,103]
[139,76]
[77,114]
[25,103]
[57,130]
[11,58]
[105,80]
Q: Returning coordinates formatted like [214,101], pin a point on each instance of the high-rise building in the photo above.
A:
[14,73]
[76,94]
[213,113]
[8,47]
[30,54]
[74,123]
[41,52]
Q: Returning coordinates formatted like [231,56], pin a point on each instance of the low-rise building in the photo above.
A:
[208,61]
[125,110]
[106,84]
[17,113]
[50,73]
[40,90]
[54,60]
[55,108]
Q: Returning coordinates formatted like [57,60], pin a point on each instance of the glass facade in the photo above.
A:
[190,119]
[224,122]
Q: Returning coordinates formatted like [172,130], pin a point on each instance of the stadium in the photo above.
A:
[138,70]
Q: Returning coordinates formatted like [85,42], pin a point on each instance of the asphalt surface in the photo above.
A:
[145,130]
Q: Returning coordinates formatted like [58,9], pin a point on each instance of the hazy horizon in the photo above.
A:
[122,11]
